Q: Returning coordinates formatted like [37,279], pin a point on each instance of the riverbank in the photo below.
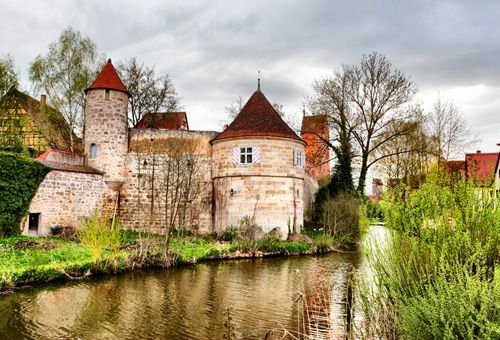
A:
[26,261]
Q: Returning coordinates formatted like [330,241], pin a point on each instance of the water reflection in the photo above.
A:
[186,303]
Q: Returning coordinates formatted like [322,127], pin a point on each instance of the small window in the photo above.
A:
[298,158]
[106,95]
[93,150]
[246,155]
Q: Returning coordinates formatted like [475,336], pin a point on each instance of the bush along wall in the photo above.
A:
[19,180]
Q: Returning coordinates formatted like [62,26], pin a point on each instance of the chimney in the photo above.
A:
[225,126]
[43,99]
[478,151]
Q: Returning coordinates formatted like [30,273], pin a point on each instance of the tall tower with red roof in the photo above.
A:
[315,133]
[258,170]
[106,125]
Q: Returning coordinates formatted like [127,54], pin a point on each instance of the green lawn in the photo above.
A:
[41,262]
[27,260]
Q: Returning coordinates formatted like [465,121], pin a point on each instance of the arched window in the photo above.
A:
[93,150]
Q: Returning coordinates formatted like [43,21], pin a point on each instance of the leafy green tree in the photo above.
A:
[8,75]
[70,66]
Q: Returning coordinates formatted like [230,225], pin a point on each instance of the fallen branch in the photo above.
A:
[79,277]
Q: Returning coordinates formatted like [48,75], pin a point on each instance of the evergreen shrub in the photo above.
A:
[19,180]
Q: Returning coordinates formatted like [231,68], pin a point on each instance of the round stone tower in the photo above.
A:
[258,170]
[106,125]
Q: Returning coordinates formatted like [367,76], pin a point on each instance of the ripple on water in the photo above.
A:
[183,303]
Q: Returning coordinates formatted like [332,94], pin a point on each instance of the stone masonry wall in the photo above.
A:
[142,205]
[63,198]
[270,191]
[106,126]
[311,186]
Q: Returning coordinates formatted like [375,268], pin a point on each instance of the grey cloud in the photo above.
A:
[212,50]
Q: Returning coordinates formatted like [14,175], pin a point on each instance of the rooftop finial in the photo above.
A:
[303,109]
[109,60]
[258,80]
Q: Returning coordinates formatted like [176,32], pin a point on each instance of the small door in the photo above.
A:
[34,219]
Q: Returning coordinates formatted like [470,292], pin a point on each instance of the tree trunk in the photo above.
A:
[362,176]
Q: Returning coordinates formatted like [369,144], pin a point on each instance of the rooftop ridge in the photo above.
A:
[108,79]
[258,118]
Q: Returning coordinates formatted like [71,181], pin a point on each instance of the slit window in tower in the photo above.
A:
[93,150]
[106,94]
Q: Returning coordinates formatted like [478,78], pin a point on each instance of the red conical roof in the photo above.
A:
[108,79]
[257,118]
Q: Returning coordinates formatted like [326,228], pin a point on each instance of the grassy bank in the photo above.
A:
[28,260]
[440,278]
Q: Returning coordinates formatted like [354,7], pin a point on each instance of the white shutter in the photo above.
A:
[236,155]
[256,154]
[294,157]
[303,154]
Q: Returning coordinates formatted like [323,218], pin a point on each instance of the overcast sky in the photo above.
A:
[212,50]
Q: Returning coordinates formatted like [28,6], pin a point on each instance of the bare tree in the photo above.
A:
[71,64]
[279,109]
[234,109]
[171,172]
[149,93]
[364,104]
[377,94]
[331,98]
[409,155]
[8,75]
[449,131]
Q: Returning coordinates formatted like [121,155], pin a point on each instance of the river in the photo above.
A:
[190,302]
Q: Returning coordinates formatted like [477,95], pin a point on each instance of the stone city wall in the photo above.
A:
[63,198]
[144,197]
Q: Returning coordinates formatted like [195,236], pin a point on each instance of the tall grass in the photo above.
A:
[103,237]
[439,276]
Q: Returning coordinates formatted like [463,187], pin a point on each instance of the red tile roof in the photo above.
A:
[71,167]
[108,79]
[315,124]
[66,161]
[257,118]
[163,120]
[481,166]
[44,155]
